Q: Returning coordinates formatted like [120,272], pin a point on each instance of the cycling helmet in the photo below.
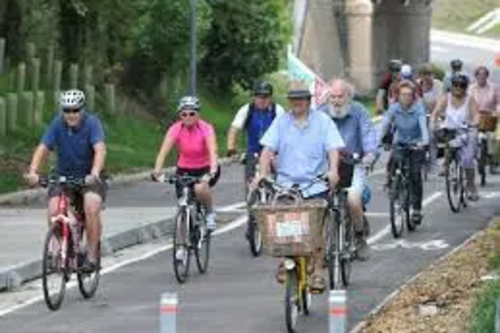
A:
[189,102]
[406,72]
[395,65]
[263,88]
[460,79]
[72,99]
[456,64]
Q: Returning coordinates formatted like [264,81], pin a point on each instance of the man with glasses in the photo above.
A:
[78,138]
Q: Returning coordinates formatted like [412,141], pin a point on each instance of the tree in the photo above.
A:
[246,40]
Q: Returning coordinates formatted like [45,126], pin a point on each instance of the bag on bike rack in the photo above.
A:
[291,230]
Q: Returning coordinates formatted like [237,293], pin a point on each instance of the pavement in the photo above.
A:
[239,293]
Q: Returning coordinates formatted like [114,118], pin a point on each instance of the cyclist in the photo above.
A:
[306,143]
[197,153]
[409,120]
[431,90]
[385,93]
[78,137]
[487,96]
[456,67]
[355,126]
[461,110]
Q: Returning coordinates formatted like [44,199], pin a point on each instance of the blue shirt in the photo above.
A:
[75,146]
[410,125]
[258,123]
[356,129]
[302,149]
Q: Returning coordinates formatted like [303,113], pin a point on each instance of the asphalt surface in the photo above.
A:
[239,293]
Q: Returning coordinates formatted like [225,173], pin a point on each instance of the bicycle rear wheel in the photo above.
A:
[88,282]
[52,263]
[291,301]
[202,243]
[454,181]
[181,252]
[396,208]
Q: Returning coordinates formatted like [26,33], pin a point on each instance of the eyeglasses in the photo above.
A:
[188,114]
[69,110]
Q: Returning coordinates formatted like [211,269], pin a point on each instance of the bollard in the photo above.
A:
[168,313]
[12,111]
[338,311]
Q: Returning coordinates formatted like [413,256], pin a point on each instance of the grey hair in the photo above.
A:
[346,86]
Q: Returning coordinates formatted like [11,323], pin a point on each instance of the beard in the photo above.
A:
[338,111]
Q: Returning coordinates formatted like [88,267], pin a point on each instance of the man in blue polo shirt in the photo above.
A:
[78,138]
[307,145]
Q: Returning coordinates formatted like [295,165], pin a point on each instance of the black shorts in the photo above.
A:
[196,173]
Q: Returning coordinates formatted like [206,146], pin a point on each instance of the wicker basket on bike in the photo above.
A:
[292,228]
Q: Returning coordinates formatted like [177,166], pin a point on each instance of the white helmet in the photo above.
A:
[406,71]
[72,99]
[189,102]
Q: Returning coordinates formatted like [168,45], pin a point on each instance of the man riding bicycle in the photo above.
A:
[78,138]
[306,144]
[355,126]
[487,96]
[410,124]
[385,94]
[197,154]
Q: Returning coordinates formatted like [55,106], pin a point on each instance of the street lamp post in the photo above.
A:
[194,58]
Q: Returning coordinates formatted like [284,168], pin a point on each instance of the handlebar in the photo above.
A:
[59,180]
[184,180]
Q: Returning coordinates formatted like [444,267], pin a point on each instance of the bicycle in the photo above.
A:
[454,139]
[484,158]
[258,196]
[190,230]
[296,251]
[400,190]
[67,232]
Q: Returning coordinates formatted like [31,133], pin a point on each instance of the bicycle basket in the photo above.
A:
[291,230]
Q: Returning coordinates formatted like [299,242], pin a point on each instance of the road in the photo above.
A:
[239,294]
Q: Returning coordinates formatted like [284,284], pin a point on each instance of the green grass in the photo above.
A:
[483,314]
[458,15]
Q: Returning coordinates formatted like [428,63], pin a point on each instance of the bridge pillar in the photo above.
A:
[360,43]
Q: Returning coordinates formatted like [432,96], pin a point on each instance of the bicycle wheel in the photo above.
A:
[254,235]
[181,251]
[396,207]
[454,182]
[333,253]
[88,282]
[347,247]
[291,301]
[201,242]
[482,161]
[51,263]
[410,224]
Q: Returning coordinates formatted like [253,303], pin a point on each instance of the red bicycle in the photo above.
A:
[65,248]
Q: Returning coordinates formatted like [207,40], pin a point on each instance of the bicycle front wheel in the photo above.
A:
[291,300]
[52,264]
[181,252]
[333,251]
[454,181]
[348,248]
[396,208]
[202,250]
[88,282]
[482,161]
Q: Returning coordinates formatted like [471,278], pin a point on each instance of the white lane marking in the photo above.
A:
[489,195]
[231,208]
[439,49]
[467,41]
[382,233]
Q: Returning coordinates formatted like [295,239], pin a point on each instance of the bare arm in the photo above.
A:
[39,156]
[379,101]
[231,138]
[333,161]
[266,158]
[212,151]
[99,158]
[165,149]
[440,106]
[474,111]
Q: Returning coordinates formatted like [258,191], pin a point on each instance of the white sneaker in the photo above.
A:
[211,223]
[180,254]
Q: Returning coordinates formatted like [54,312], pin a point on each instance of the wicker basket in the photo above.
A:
[291,230]
[487,122]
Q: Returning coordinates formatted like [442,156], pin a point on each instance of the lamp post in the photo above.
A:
[193,63]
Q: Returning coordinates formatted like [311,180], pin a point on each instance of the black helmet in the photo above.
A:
[456,64]
[395,65]
[299,94]
[460,79]
[263,88]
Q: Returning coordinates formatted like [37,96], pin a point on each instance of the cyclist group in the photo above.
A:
[296,146]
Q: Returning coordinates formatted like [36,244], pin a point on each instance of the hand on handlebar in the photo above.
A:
[32,178]
[157,177]
[333,178]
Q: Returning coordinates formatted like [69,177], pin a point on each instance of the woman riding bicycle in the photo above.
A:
[461,112]
[197,151]
[409,121]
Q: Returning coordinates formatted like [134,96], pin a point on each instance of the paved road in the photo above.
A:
[239,293]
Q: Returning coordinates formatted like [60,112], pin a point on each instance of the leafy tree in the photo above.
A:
[246,40]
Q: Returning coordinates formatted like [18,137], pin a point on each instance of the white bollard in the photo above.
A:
[168,313]
[337,311]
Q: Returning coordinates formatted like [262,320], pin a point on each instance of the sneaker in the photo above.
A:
[89,266]
[211,223]
[180,254]
[363,249]
[416,216]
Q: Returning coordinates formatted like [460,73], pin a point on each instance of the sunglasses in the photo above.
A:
[459,85]
[188,114]
[71,110]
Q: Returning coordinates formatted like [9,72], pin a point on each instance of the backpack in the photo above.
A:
[251,111]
